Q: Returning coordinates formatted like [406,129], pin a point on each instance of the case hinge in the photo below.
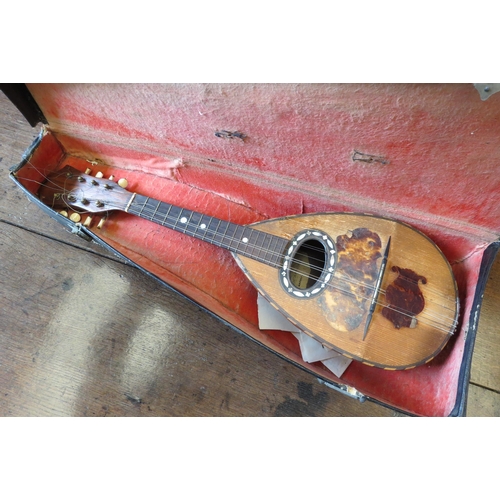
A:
[487,89]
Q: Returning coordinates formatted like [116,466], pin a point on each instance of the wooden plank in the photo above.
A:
[482,402]
[485,370]
[86,336]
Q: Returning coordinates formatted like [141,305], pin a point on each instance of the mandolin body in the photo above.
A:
[418,280]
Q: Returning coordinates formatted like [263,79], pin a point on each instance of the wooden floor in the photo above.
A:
[83,334]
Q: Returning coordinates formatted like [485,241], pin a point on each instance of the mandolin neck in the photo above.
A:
[242,240]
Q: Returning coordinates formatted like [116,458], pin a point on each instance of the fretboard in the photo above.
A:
[242,240]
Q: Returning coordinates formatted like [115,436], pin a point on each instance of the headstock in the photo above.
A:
[70,189]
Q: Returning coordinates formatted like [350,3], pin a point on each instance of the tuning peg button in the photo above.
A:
[88,221]
[88,171]
[99,175]
[101,223]
[123,183]
[75,217]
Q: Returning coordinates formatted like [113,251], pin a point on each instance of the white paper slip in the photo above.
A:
[271,319]
[337,365]
[310,349]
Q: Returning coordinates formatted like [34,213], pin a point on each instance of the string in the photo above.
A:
[148,211]
[150,214]
[348,279]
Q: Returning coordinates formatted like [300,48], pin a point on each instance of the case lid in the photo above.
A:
[427,154]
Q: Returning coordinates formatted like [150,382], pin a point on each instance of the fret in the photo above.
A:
[176,214]
[149,208]
[265,246]
[163,223]
[235,237]
[247,239]
[156,210]
[209,230]
[181,220]
[241,240]
[278,250]
[204,225]
[143,207]
[215,231]
[195,220]
[189,222]
[260,236]
[238,237]
[224,235]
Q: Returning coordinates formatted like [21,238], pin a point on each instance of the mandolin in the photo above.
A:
[373,289]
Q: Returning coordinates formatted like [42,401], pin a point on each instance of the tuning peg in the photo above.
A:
[101,223]
[111,177]
[88,221]
[123,183]
[75,217]
[88,171]
[99,175]
[63,212]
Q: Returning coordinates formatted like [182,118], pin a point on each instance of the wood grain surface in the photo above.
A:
[83,334]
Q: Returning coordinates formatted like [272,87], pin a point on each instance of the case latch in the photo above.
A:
[345,389]
[79,231]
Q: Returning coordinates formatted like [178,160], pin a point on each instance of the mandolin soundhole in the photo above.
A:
[309,264]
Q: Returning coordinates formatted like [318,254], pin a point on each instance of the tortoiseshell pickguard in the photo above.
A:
[357,255]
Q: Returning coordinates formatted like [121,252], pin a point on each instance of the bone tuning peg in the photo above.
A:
[75,217]
[101,223]
[88,171]
[63,212]
[88,221]
[123,183]
[99,175]
[111,177]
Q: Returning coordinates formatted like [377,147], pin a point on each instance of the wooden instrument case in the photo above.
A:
[426,155]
